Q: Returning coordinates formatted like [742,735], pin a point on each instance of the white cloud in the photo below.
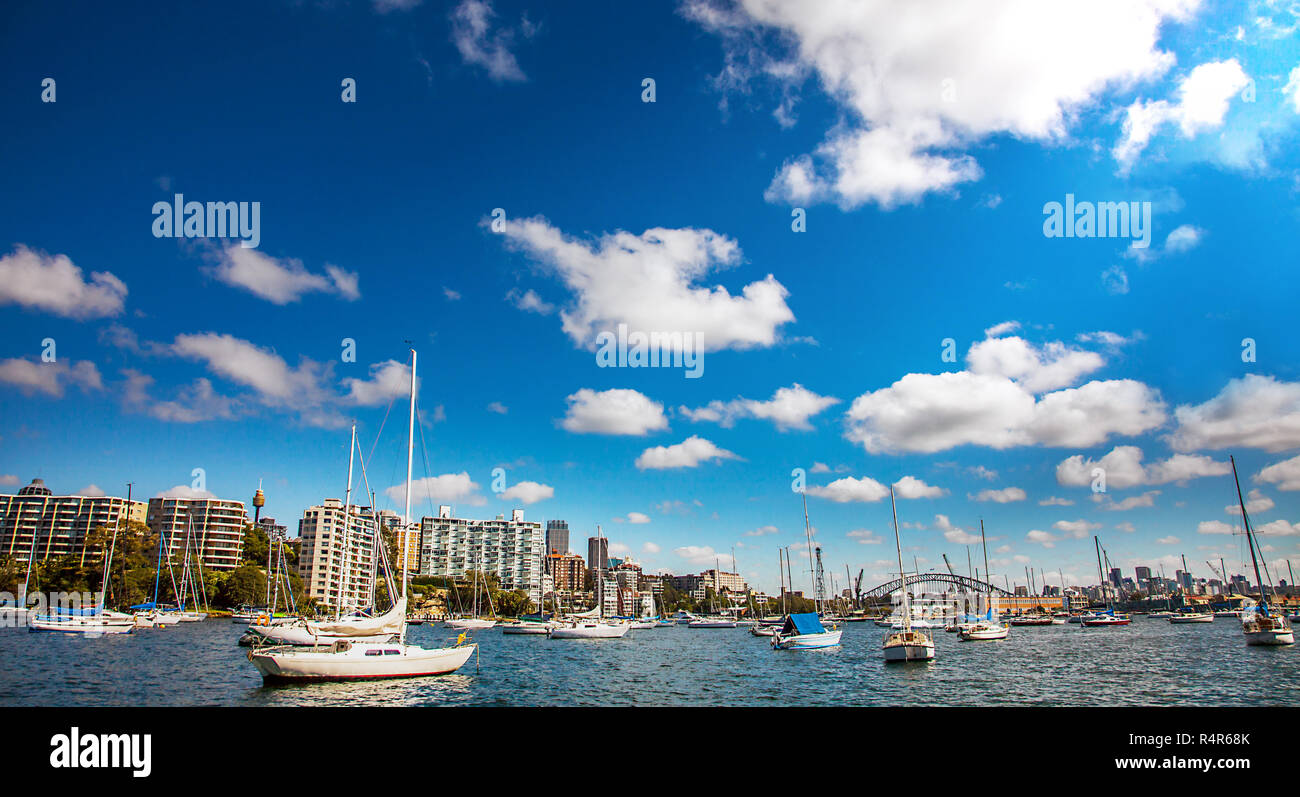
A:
[1004,496]
[92,490]
[498,408]
[8,480]
[650,282]
[998,330]
[1044,538]
[819,467]
[789,408]
[1285,474]
[847,489]
[637,517]
[865,537]
[912,487]
[934,412]
[49,379]
[1256,502]
[650,548]
[916,95]
[528,492]
[1277,528]
[1123,468]
[954,534]
[1145,500]
[687,454]
[1203,98]
[697,554]
[1183,239]
[479,45]
[388,380]
[1250,412]
[529,301]
[761,531]
[1214,527]
[1054,366]
[184,491]
[53,284]
[1292,88]
[1115,280]
[195,403]
[618,411]
[1054,501]
[452,296]
[1076,529]
[1170,540]
[280,281]
[449,487]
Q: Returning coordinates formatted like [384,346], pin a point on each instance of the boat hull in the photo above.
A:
[1191,618]
[469,624]
[907,646]
[78,625]
[526,628]
[826,639]
[1271,637]
[981,634]
[300,635]
[711,624]
[593,631]
[358,662]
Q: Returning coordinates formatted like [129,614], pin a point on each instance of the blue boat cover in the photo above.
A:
[808,623]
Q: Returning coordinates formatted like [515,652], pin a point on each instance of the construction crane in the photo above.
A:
[949,566]
[1222,577]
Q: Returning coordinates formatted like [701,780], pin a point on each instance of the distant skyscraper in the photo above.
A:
[1115,578]
[557,536]
[597,553]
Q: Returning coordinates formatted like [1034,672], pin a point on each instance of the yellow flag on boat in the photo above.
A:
[460,640]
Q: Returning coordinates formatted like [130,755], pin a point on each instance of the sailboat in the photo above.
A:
[89,622]
[714,620]
[987,628]
[905,644]
[805,631]
[351,658]
[12,616]
[1107,617]
[1259,623]
[474,622]
[769,629]
[591,625]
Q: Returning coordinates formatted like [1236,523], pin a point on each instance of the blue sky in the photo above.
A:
[921,155]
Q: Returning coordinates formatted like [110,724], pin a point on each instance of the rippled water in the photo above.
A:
[1147,663]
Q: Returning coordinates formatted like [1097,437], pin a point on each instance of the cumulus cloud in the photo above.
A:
[1202,103]
[530,302]
[865,537]
[280,281]
[1251,412]
[789,408]
[842,491]
[1123,468]
[1054,501]
[619,411]
[637,517]
[449,487]
[651,283]
[184,491]
[1076,529]
[388,380]
[917,96]
[1145,500]
[54,284]
[1256,502]
[687,454]
[761,531]
[1006,495]
[1053,366]
[1285,474]
[697,554]
[50,379]
[1044,538]
[528,492]
[912,487]
[195,403]
[954,534]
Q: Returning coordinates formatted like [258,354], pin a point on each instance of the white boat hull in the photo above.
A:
[1191,618]
[469,623]
[590,631]
[351,661]
[642,626]
[526,628]
[978,633]
[908,646]
[91,625]
[712,624]
[827,639]
[300,635]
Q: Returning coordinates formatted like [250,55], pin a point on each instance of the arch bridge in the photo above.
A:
[961,582]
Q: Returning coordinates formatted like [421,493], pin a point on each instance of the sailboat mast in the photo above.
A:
[902,576]
[347,517]
[988,578]
[812,577]
[1250,537]
[410,455]
[1100,574]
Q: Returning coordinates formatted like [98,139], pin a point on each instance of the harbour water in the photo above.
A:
[1149,663]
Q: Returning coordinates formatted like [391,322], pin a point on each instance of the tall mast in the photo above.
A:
[410,455]
[812,577]
[780,574]
[1100,574]
[902,576]
[347,518]
[1250,537]
[987,577]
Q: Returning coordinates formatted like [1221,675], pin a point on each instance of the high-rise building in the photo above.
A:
[513,549]
[597,553]
[337,559]
[274,531]
[557,536]
[58,524]
[210,528]
[568,571]
[1115,578]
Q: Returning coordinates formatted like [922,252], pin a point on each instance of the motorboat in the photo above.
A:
[711,622]
[468,623]
[805,632]
[982,631]
[589,630]
[1191,617]
[526,627]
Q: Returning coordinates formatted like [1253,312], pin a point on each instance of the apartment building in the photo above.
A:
[514,549]
[210,528]
[58,525]
[337,558]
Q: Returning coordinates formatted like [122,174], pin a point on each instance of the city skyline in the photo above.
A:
[887,281]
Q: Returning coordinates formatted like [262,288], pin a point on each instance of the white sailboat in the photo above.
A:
[473,622]
[806,631]
[1260,623]
[906,644]
[89,622]
[988,628]
[352,659]
[595,626]
[17,614]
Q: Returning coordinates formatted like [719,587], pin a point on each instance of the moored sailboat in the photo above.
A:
[1260,624]
[906,644]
